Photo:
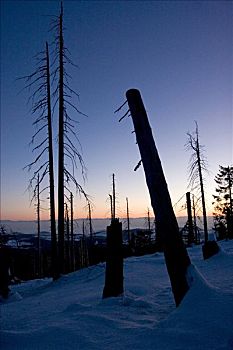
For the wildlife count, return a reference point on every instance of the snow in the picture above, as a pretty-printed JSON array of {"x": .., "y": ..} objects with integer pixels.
[{"x": 71, "y": 314}]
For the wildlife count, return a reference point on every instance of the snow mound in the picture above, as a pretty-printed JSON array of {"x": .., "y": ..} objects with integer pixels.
[{"x": 71, "y": 314}]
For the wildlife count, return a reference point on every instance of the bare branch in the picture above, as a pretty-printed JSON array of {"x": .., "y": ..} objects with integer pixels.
[{"x": 118, "y": 109}]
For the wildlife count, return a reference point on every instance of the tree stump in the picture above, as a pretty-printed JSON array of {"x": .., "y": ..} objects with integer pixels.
[{"x": 114, "y": 262}]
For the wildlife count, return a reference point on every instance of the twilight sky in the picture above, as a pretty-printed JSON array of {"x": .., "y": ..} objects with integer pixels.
[{"x": 177, "y": 53}]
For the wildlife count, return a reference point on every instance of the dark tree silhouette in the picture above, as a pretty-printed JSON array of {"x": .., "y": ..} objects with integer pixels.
[
  {"x": 190, "y": 219},
  {"x": 66, "y": 147},
  {"x": 38, "y": 227},
  {"x": 128, "y": 221},
  {"x": 72, "y": 232},
  {"x": 40, "y": 99},
  {"x": 198, "y": 164},
  {"x": 114, "y": 279},
  {"x": 223, "y": 201},
  {"x": 177, "y": 259}
]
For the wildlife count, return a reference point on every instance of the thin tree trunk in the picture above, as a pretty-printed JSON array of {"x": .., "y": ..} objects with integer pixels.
[
  {"x": 113, "y": 197},
  {"x": 38, "y": 227},
  {"x": 190, "y": 219},
  {"x": 67, "y": 239},
  {"x": 128, "y": 226},
  {"x": 177, "y": 259},
  {"x": 90, "y": 222},
  {"x": 51, "y": 177},
  {"x": 61, "y": 150},
  {"x": 72, "y": 231},
  {"x": 195, "y": 223},
  {"x": 230, "y": 219},
  {"x": 202, "y": 192},
  {"x": 111, "y": 206}
]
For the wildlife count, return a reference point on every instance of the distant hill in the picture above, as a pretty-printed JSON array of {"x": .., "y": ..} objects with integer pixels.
[{"x": 98, "y": 224}]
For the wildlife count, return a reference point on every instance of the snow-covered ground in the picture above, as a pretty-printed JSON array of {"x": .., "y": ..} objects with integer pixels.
[{"x": 70, "y": 313}]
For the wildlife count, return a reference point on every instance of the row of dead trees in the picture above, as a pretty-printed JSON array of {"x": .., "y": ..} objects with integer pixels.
[{"x": 176, "y": 257}]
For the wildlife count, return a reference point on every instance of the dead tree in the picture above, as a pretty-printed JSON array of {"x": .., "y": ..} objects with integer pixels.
[
  {"x": 72, "y": 232},
  {"x": 40, "y": 99},
  {"x": 176, "y": 257},
  {"x": 51, "y": 174},
  {"x": 114, "y": 262},
  {"x": 67, "y": 149},
  {"x": 128, "y": 222},
  {"x": 90, "y": 222},
  {"x": 190, "y": 219},
  {"x": 38, "y": 227},
  {"x": 67, "y": 229},
  {"x": 198, "y": 164}
]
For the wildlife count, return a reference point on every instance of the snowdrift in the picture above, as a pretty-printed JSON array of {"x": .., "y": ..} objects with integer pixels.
[{"x": 70, "y": 314}]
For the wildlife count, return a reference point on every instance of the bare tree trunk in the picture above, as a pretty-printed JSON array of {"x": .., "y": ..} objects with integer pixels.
[
  {"x": 61, "y": 150},
  {"x": 190, "y": 219},
  {"x": 38, "y": 227},
  {"x": 197, "y": 241},
  {"x": 90, "y": 222},
  {"x": 113, "y": 197},
  {"x": 72, "y": 232},
  {"x": 51, "y": 176},
  {"x": 67, "y": 221},
  {"x": 111, "y": 206},
  {"x": 230, "y": 216},
  {"x": 202, "y": 191},
  {"x": 128, "y": 226},
  {"x": 176, "y": 256}
]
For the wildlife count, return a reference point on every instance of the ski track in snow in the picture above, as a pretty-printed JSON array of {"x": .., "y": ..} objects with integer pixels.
[{"x": 71, "y": 314}]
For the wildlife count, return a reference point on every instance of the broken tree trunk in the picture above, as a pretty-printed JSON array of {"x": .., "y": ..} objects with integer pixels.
[
  {"x": 176, "y": 256},
  {"x": 114, "y": 262}
]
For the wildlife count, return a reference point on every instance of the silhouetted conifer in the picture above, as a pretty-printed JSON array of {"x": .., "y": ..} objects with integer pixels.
[{"x": 223, "y": 202}]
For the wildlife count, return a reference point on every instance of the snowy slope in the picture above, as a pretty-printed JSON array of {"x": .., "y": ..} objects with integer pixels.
[{"x": 70, "y": 313}]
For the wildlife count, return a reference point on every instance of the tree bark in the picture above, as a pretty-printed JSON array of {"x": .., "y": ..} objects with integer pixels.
[{"x": 176, "y": 256}]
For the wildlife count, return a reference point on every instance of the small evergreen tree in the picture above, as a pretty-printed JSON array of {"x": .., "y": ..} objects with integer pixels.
[{"x": 223, "y": 202}]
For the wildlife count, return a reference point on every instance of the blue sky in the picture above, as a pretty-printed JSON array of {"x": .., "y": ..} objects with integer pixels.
[{"x": 178, "y": 54}]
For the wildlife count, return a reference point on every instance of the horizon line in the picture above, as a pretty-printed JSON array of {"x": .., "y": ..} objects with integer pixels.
[{"x": 85, "y": 218}]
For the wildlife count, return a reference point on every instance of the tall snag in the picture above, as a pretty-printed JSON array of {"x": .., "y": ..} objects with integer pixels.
[
  {"x": 198, "y": 164},
  {"x": 39, "y": 81},
  {"x": 61, "y": 222},
  {"x": 38, "y": 228},
  {"x": 67, "y": 150},
  {"x": 176, "y": 256},
  {"x": 51, "y": 174}
]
